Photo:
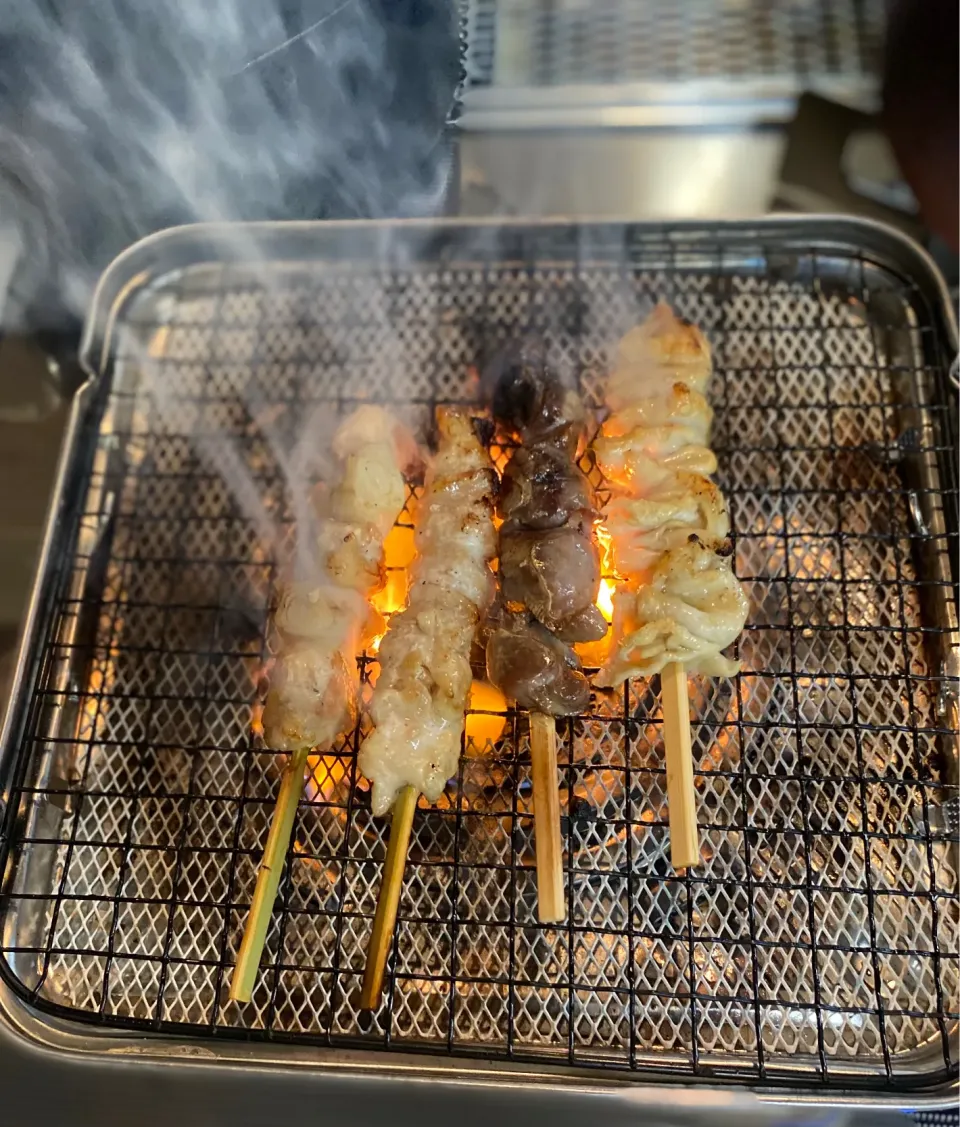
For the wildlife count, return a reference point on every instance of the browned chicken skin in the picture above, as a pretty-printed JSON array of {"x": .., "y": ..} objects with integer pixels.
[{"x": 549, "y": 557}]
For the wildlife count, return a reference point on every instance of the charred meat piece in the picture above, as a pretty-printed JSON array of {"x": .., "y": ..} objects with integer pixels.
[
  {"x": 534, "y": 667},
  {"x": 542, "y": 488},
  {"x": 549, "y": 557},
  {"x": 529, "y": 399}
]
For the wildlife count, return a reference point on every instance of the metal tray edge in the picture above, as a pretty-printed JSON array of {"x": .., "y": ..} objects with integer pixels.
[
  {"x": 128, "y": 275},
  {"x": 137, "y": 267}
]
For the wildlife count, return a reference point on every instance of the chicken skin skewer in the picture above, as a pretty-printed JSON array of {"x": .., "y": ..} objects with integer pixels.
[
  {"x": 424, "y": 680},
  {"x": 681, "y": 604}
]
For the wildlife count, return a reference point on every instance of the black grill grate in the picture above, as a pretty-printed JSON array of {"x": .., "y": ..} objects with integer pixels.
[{"x": 817, "y": 942}]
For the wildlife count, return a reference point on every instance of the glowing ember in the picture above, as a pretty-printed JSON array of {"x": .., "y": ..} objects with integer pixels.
[{"x": 485, "y": 719}]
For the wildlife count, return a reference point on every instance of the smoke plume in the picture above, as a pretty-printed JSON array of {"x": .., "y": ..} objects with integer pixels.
[{"x": 121, "y": 117}]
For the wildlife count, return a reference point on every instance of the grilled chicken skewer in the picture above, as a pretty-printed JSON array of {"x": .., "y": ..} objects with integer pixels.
[
  {"x": 424, "y": 680},
  {"x": 681, "y": 603},
  {"x": 550, "y": 576},
  {"x": 321, "y": 624}
]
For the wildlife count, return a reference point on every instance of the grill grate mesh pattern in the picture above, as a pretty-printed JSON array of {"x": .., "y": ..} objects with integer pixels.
[
  {"x": 821, "y": 930},
  {"x": 576, "y": 42}
]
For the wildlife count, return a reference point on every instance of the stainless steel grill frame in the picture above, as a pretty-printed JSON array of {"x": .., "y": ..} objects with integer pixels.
[
  {"x": 816, "y": 947},
  {"x": 578, "y": 63}
]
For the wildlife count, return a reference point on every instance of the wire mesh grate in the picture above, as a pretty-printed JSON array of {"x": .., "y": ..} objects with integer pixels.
[
  {"x": 818, "y": 940},
  {"x": 547, "y": 44}
]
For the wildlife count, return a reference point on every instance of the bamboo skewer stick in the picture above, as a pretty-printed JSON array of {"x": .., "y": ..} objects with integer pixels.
[
  {"x": 388, "y": 898},
  {"x": 551, "y": 902},
  {"x": 681, "y": 796},
  {"x": 268, "y": 877}
]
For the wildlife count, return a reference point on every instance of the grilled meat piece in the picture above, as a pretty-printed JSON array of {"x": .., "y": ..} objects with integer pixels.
[
  {"x": 642, "y": 526},
  {"x": 554, "y": 573},
  {"x": 549, "y": 557},
  {"x": 542, "y": 488},
  {"x": 691, "y": 608},
  {"x": 587, "y": 625},
  {"x": 424, "y": 682},
  {"x": 534, "y": 667},
  {"x": 529, "y": 399}
]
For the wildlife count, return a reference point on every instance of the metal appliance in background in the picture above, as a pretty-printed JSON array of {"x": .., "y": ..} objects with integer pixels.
[
  {"x": 812, "y": 955},
  {"x": 571, "y": 64}
]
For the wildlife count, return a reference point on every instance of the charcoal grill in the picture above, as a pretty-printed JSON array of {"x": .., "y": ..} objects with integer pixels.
[{"x": 814, "y": 951}]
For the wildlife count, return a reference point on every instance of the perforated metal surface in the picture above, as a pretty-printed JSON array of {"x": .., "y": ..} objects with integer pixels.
[
  {"x": 817, "y": 942},
  {"x": 663, "y": 52}
]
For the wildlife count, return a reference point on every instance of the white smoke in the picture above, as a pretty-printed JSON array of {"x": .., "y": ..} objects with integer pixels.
[{"x": 121, "y": 117}]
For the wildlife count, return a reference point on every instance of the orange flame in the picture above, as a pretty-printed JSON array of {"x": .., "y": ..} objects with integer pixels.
[
  {"x": 596, "y": 653},
  {"x": 605, "y": 599},
  {"x": 393, "y": 594},
  {"x": 486, "y": 717},
  {"x": 500, "y": 456},
  {"x": 256, "y": 719},
  {"x": 398, "y": 552},
  {"x": 325, "y": 772},
  {"x": 608, "y": 584}
]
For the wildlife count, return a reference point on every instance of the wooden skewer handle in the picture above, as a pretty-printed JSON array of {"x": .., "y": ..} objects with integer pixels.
[
  {"x": 268, "y": 877},
  {"x": 388, "y": 900},
  {"x": 551, "y": 902},
  {"x": 681, "y": 795}
]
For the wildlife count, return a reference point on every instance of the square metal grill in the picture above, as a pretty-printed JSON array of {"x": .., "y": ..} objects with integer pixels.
[
  {"x": 818, "y": 941},
  {"x": 739, "y": 59}
]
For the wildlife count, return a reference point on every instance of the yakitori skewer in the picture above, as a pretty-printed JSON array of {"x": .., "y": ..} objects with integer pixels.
[
  {"x": 321, "y": 620},
  {"x": 424, "y": 680},
  {"x": 680, "y": 603},
  {"x": 550, "y": 577}
]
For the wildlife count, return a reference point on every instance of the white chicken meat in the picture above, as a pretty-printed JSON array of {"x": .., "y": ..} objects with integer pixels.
[
  {"x": 667, "y": 520},
  {"x": 322, "y": 622},
  {"x": 424, "y": 681},
  {"x": 689, "y": 609}
]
